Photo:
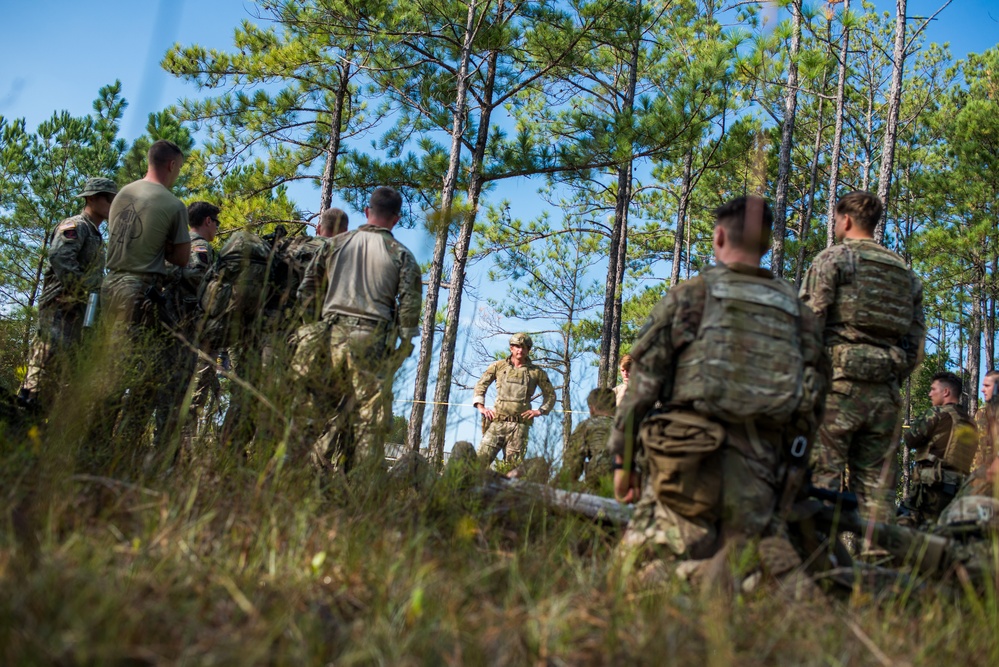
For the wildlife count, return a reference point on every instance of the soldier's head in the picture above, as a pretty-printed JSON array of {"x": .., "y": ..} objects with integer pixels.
[
  {"x": 384, "y": 208},
  {"x": 625, "y": 367},
  {"x": 742, "y": 230},
  {"x": 332, "y": 221},
  {"x": 945, "y": 388},
  {"x": 520, "y": 346},
  {"x": 203, "y": 218},
  {"x": 98, "y": 193},
  {"x": 601, "y": 402},
  {"x": 857, "y": 215},
  {"x": 989, "y": 384},
  {"x": 165, "y": 160}
]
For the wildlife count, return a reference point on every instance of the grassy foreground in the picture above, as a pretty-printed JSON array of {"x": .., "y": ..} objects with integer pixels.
[{"x": 231, "y": 561}]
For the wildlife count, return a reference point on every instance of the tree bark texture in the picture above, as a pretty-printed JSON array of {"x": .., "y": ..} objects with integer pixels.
[
  {"x": 445, "y": 368},
  {"x": 786, "y": 139},
  {"x": 891, "y": 125},
  {"x": 844, "y": 50},
  {"x": 428, "y": 330}
]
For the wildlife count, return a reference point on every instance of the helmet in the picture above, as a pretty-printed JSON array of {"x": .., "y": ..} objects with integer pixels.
[
  {"x": 521, "y": 339},
  {"x": 95, "y": 186},
  {"x": 981, "y": 510}
]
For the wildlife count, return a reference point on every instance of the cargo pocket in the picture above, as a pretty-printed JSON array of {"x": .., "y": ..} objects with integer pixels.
[{"x": 684, "y": 462}]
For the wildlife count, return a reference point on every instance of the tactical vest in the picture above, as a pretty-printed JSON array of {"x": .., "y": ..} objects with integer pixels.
[
  {"x": 746, "y": 362},
  {"x": 513, "y": 385},
  {"x": 878, "y": 301},
  {"x": 963, "y": 442}
]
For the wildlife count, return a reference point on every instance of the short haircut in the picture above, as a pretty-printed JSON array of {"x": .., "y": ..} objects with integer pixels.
[
  {"x": 200, "y": 211},
  {"x": 732, "y": 216},
  {"x": 992, "y": 374},
  {"x": 333, "y": 220},
  {"x": 603, "y": 400},
  {"x": 386, "y": 202},
  {"x": 863, "y": 208},
  {"x": 625, "y": 364},
  {"x": 162, "y": 152},
  {"x": 951, "y": 381}
]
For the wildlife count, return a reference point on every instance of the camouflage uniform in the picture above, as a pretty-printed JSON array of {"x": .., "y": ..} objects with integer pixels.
[
  {"x": 870, "y": 307},
  {"x": 515, "y": 388},
  {"x": 987, "y": 421},
  {"x": 587, "y": 453},
  {"x": 738, "y": 391},
  {"x": 372, "y": 300},
  {"x": 182, "y": 293},
  {"x": 945, "y": 441},
  {"x": 74, "y": 269}
]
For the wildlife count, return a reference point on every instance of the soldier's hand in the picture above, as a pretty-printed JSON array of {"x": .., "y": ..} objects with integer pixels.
[
  {"x": 405, "y": 349},
  {"x": 489, "y": 413},
  {"x": 625, "y": 486},
  {"x": 530, "y": 414}
]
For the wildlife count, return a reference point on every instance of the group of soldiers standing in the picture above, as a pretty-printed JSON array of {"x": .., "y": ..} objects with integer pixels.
[
  {"x": 735, "y": 390},
  {"x": 169, "y": 302}
]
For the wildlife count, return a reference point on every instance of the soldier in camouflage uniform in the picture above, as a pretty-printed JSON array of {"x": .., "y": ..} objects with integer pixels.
[
  {"x": 587, "y": 451},
  {"x": 945, "y": 441},
  {"x": 625, "y": 368},
  {"x": 183, "y": 286},
  {"x": 74, "y": 269},
  {"x": 372, "y": 307},
  {"x": 517, "y": 378},
  {"x": 870, "y": 305},
  {"x": 310, "y": 342},
  {"x": 737, "y": 361},
  {"x": 987, "y": 421}
]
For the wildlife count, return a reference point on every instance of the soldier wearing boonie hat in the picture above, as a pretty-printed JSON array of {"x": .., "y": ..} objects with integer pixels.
[
  {"x": 74, "y": 268},
  {"x": 517, "y": 379}
]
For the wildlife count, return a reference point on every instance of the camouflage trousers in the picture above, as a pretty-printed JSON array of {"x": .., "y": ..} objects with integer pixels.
[
  {"x": 357, "y": 407},
  {"x": 749, "y": 461},
  {"x": 509, "y": 436},
  {"x": 856, "y": 432},
  {"x": 140, "y": 353},
  {"x": 59, "y": 331},
  {"x": 931, "y": 489}
]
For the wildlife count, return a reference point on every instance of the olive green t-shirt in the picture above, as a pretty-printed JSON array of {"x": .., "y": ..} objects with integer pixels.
[{"x": 144, "y": 218}]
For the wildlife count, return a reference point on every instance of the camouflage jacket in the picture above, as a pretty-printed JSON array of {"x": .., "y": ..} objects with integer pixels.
[
  {"x": 987, "y": 421},
  {"x": 931, "y": 433},
  {"x": 832, "y": 280},
  {"x": 515, "y": 387},
  {"x": 75, "y": 264},
  {"x": 367, "y": 274},
  {"x": 673, "y": 325},
  {"x": 587, "y": 450},
  {"x": 187, "y": 280}
]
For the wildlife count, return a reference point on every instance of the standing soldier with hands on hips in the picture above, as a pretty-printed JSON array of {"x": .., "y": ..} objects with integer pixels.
[{"x": 517, "y": 378}]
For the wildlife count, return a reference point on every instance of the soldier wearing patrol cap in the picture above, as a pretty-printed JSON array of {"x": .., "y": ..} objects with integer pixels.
[
  {"x": 517, "y": 378},
  {"x": 74, "y": 268}
]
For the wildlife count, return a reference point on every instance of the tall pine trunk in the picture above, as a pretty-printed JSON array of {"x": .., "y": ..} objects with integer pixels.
[
  {"x": 336, "y": 129},
  {"x": 805, "y": 228},
  {"x": 844, "y": 50},
  {"x": 891, "y": 125},
  {"x": 681, "y": 215},
  {"x": 428, "y": 330},
  {"x": 445, "y": 368},
  {"x": 786, "y": 139},
  {"x": 611, "y": 331}
]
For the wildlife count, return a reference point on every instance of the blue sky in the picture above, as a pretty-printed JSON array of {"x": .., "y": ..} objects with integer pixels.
[{"x": 56, "y": 54}]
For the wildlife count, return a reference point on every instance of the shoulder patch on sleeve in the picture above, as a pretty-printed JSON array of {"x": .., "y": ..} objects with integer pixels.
[
  {"x": 68, "y": 228},
  {"x": 203, "y": 257}
]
